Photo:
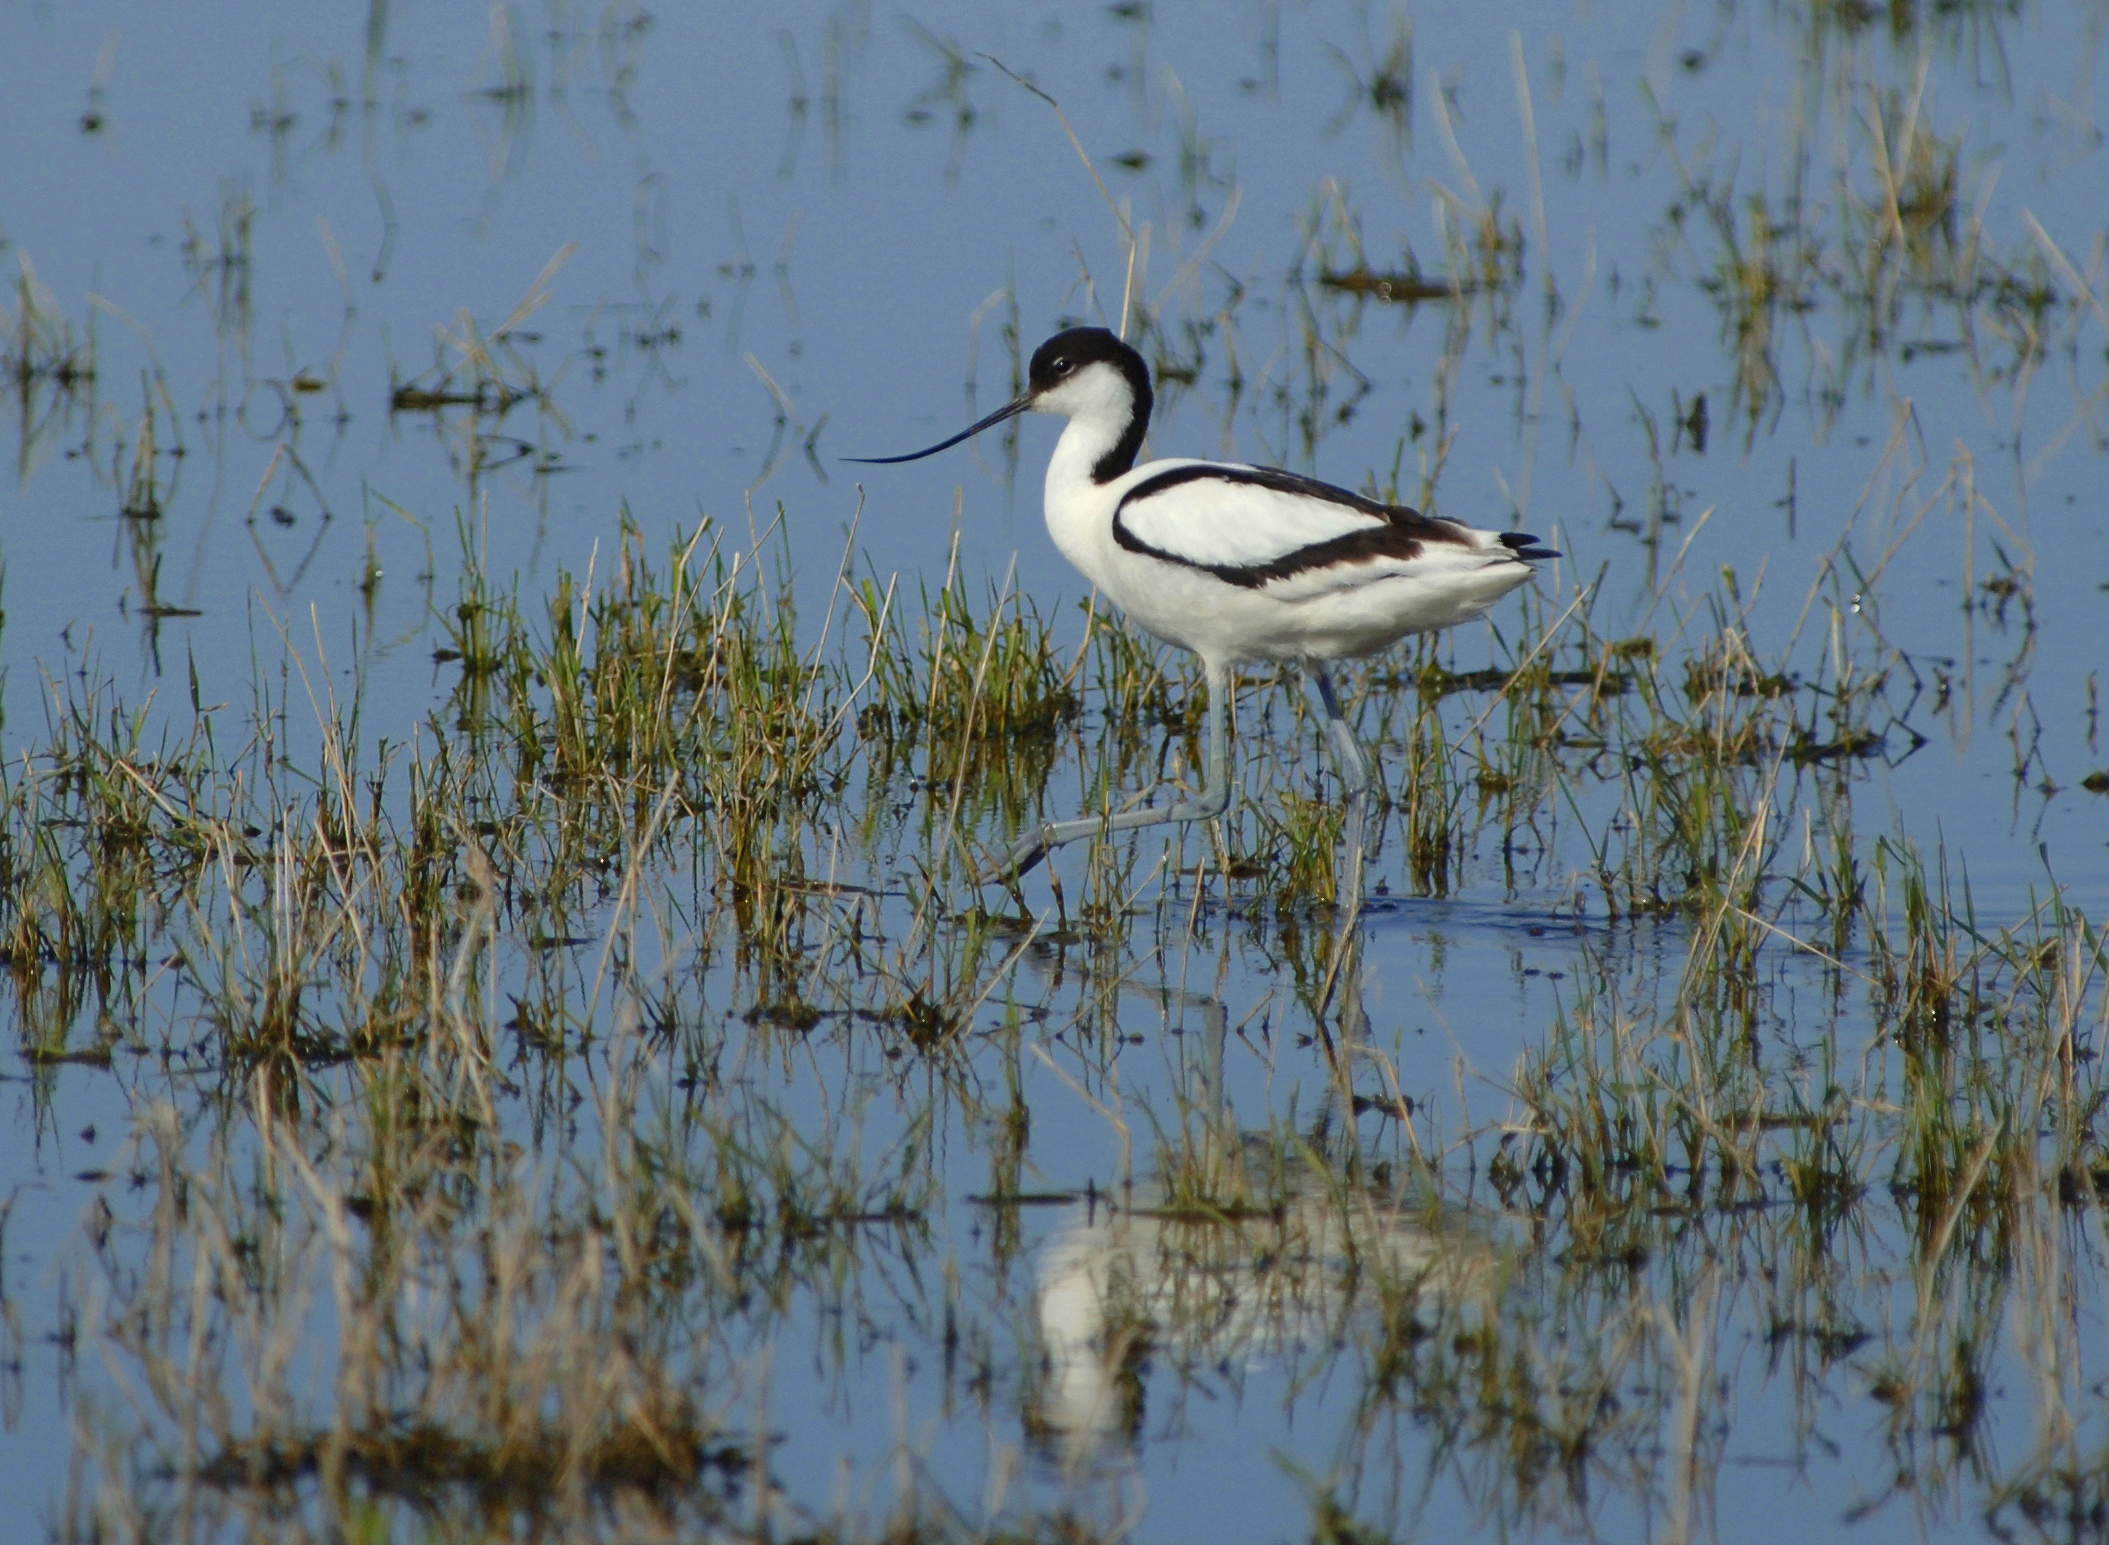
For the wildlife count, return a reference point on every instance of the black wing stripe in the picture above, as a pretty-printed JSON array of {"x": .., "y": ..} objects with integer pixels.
[
  {"x": 1354, "y": 547},
  {"x": 1270, "y": 478},
  {"x": 1402, "y": 535}
]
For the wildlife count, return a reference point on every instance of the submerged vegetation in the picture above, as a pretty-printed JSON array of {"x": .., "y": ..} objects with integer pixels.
[
  {"x": 508, "y": 1045},
  {"x": 499, "y": 1090}
]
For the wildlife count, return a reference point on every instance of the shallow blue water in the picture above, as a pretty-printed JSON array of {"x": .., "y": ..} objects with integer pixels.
[{"x": 271, "y": 224}]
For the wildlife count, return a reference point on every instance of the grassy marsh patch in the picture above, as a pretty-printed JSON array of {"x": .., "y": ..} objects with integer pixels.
[
  {"x": 633, "y": 882},
  {"x": 539, "y": 1071}
]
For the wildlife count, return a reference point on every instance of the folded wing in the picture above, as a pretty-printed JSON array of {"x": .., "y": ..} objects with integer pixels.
[{"x": 1264, "y": 529}]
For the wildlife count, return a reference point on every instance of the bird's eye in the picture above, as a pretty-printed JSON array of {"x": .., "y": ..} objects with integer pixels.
[{"x": 1061, "y": 367}]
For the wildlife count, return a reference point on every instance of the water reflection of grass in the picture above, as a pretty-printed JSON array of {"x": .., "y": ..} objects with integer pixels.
[
  {"x": 47, "y": 366},
  {"x": 507, "y": 1090},
  {"x": 476, "y": 1163}
]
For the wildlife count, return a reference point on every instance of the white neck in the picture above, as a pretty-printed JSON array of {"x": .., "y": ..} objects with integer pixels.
[
  {"x": 1079, "y": 509},
  {"x": 1100, "y": 408}
]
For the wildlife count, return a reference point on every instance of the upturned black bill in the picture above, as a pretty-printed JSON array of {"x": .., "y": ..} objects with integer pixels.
[{"x": 997, "y": 417}]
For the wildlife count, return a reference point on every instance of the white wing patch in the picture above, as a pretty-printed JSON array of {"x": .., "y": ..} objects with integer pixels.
[{"x": 1219, "y": 522}]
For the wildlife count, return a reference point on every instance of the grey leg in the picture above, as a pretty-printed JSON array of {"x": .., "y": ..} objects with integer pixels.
[
  {"x": 1354, "y": 781},
  {"x": 1212, "y": 801}
]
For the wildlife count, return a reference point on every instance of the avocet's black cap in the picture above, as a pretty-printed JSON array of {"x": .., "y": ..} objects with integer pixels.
[
  {"x": 1068, "y": 352},
  {"x": 1063, "y": 355}
]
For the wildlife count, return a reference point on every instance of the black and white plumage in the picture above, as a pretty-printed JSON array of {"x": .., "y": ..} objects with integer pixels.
[{"x": 1236, "y": 563}]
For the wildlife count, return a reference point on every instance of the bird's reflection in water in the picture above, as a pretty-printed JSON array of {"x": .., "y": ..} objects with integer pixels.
[{"x": 1215, "y": 1292}]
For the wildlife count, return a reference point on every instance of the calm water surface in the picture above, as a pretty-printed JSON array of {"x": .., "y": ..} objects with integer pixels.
[{"x": 1788, "y": 315}]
